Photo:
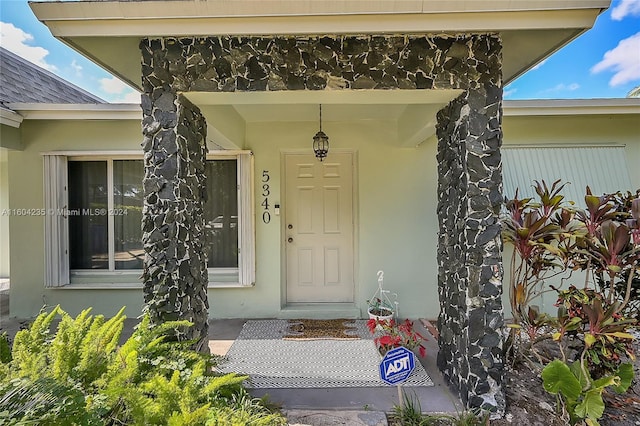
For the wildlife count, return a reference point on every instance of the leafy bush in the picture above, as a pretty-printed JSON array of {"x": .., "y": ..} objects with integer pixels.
[
  {"x": 551, "y": 238},
  {"x": 78, "y": 375},
  {"x": 582, "y": 395}
]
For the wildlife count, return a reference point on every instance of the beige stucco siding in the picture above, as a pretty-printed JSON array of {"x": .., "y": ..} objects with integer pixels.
[
  {"x": 4, "y": 217},
  {"x": 396, "y": 218},
  {"x": 28, "y": 294},
  {"x": 579, "y": 129},
  {"x": 396, "y": 223}
]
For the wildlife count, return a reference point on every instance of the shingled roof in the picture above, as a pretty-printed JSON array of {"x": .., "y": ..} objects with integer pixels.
[{"x": 22, "y": 81}]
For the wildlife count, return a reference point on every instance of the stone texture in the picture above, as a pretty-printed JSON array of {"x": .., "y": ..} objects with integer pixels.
[
  {"x": 469, "y": 167},
  {"x": 231, "y": 64},
  {"x": 175, "y": 274},
  {"x": 469, "y": 247}
]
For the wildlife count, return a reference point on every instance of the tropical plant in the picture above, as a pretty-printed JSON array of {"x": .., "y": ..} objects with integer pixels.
[
  {"x": 604, "y": 331},
  {"x": 611, "y": 247},
  {"x": 553, "y": 240},
  {"x": 542, "y": 234},
  {"x": 582, "y": 395}
]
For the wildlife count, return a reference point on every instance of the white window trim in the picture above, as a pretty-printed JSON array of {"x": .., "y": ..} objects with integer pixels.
[{"x": 57, "y": 271}]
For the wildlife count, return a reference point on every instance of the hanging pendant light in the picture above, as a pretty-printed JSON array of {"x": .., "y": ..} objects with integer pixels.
[{"x": 320, "y": 142}]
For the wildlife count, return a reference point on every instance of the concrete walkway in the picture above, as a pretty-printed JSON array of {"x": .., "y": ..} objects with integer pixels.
[{"x": 321, "y": 406}]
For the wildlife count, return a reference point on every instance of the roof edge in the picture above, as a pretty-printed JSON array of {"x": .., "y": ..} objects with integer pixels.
[
  {"x": 10, "y": 118},
  {"x": 177, "y": 9},
  {"x": 537, "y": 107},
  {"x": 541, "y": 107},
  {"x": 102, "y": 111}
]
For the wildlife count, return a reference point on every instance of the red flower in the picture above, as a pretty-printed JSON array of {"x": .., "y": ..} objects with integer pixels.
[{"x": 395, "y": 335}]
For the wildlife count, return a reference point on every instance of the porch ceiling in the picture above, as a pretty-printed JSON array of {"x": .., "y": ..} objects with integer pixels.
[
  {"x": 108, "y": 32},
  {"x": 412, "y": 112}
]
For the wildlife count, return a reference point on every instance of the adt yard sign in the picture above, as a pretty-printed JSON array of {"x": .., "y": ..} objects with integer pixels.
[{"x": 397, "y": 365}]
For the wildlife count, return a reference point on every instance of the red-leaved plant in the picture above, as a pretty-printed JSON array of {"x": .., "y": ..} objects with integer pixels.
[{"x": 390, "y": 334}]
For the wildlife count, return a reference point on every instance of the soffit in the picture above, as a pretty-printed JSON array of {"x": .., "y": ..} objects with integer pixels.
[
  {"x": 411, "y": 112},
  {"x": 108, "y": 32}
]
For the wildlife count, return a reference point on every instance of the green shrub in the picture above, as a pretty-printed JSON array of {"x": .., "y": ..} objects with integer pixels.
[
  {"x": 43, "y": 402},
  {"x": 78, "y": 375},
  {"x": 582, "y": 395}
]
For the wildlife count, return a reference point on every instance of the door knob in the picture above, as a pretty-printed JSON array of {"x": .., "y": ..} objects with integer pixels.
[
  {"x": 290, "y": 239},
  {"x": 290, "y": 226}
]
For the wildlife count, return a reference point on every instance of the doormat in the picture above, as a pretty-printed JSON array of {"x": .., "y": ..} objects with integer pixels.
[
  {"x": 310, "y": 329},
  {"x": 272, "y": 362}
]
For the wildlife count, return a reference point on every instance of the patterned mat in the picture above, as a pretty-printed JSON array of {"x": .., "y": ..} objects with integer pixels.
[
  {"x": 272, "y": 362},
  {"x": 311, "y": 329}
]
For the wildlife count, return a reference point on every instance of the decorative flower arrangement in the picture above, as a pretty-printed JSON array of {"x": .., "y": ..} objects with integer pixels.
[{"x": 390, "y": 335}]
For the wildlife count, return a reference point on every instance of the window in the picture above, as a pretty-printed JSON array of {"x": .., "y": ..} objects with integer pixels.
[
  {"x": 105, "y": 213},
  {"x": 94, "y": 234}
]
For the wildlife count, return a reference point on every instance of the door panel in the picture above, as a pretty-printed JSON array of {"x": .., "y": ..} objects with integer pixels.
[{"x": 319, "y": 228}]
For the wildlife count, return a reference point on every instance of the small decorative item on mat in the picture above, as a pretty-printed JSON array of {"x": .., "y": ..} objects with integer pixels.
[{"x": 308, "y": 329}]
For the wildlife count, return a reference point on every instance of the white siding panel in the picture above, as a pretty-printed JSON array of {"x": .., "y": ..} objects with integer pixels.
[{"x": 603, "y": 168}]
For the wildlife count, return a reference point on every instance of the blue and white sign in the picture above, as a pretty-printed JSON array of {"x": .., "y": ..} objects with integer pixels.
[{"x": 397, "y": 365}]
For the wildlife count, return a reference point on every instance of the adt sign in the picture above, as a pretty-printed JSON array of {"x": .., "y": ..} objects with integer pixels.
[{"x": 397, "y": 365}]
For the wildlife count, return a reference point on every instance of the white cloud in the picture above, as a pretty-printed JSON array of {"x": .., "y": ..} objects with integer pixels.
[
  {"x": 626, "y": 8},
  {"x": 14, "y": 39},
  {"x": 76, "y": 67},
  {"x": 112, "y": 85},
  {"x": 539, "y": 64},
  {"x": 131, "y": 97},
  {"x": 508, "y": 92},
  {"x": 562, "y": 88},
  {"x": 623, "y": 60},
  {"x": 119, "y": 91}
]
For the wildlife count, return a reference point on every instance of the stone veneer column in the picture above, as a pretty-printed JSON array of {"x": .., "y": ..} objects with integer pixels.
[
  {"x": 175, "y": 274},
  {"x": 469, "y": 185},
  {"x": 469, "y": 245}
]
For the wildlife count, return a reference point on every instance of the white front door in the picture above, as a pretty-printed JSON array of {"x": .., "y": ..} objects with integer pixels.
[{"x": 319, "y": 228}]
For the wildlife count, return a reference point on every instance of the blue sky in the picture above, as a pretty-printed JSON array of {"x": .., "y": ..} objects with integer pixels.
[{"x": 602, "y": 63}]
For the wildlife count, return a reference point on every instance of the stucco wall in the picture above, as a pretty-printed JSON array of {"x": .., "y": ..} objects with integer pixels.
[
  {"x": 579, "y": 129},
  {"x": 4, "y": 218},
  {"x": 28, "y": 294},
  {"x": 388, "y": 238},
  {"x": 397, "y": 224}
]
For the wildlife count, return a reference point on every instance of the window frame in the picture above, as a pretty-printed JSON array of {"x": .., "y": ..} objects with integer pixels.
[{"x": 57, "y": 268}]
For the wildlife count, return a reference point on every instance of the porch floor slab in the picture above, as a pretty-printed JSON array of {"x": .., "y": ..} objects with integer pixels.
[
  {"x": 433, "y": 399},
  {"x": 273, "y": 361}
]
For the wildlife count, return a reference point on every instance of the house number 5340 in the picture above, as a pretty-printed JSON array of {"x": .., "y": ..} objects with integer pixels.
[{"x": 266, "y": 191}]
